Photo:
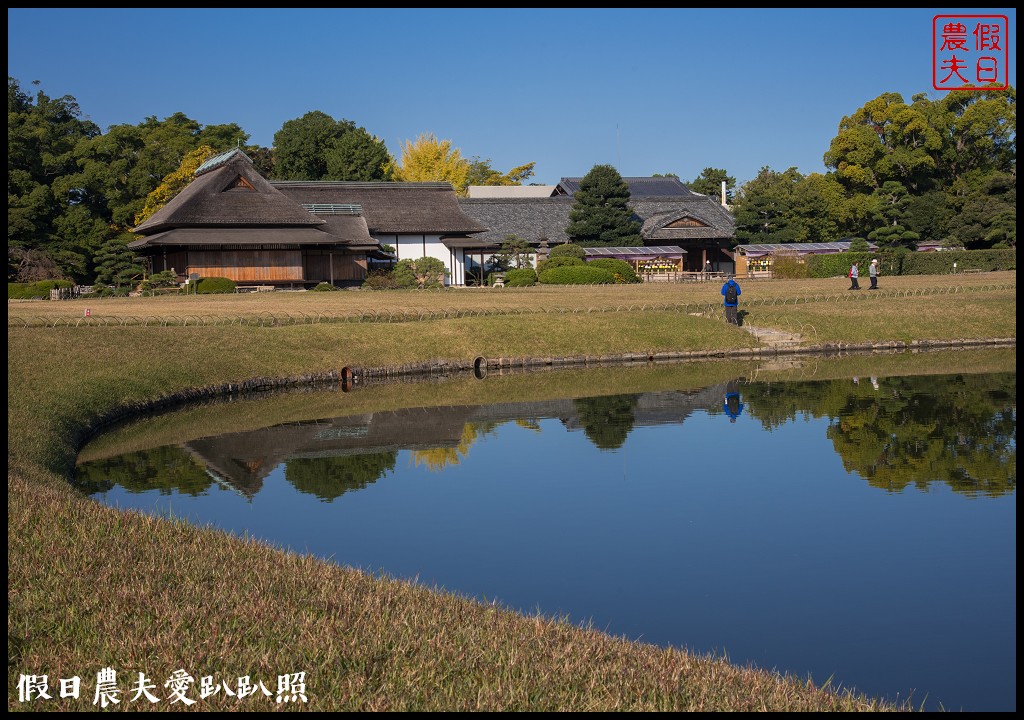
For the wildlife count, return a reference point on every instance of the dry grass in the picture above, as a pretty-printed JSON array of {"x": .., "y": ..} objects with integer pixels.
[{"x": 90, "y": 586}]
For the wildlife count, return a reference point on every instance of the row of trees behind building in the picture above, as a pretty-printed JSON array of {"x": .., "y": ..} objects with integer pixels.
[{"x": 941, "y": 170}]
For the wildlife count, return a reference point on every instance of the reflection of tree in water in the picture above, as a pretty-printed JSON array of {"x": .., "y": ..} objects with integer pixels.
[
  {"x": 957, "y": 429},
  {"x": 607, "y": 420},
  {"x": 441, "y": 457},
  {"x": 330, "y": 477},
  {"x": 168, "y": 469}
]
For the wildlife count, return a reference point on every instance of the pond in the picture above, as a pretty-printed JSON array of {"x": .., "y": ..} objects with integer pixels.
[{"x": 847, "y": 518}]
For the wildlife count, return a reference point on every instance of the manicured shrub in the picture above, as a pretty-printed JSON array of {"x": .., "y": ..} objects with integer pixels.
[
  {"x": 215, "y": 285},
  {"x": 789, "y": 266},
  {"x": 577, "y": 275},
  {"x": 522, "y": 277},
  {"x": 568, "y": 250},
  {"x": 323, "y": 287},
  {"x": 380, "y": 280},
  {"x": 40, "y": 289},
  {"x": 558, "y": 262},
  {"x": 622, "y": 270}
]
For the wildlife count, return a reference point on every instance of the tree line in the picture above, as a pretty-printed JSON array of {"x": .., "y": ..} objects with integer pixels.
[
  {"x": 937, "y": 170},
  {"x": 932, "y": 170},
  {"x": 74, "y": 192}
]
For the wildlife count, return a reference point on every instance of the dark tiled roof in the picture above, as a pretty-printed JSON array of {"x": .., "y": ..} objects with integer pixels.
[
  {"x": 799, "y": 248},
  {"x": 659, "y": 212},
  {"x": 215, "y": 198},
  {"x": 529, "y": 218},
  {"x": 638, "y": 187},
  {"x": 536, "y": 218},
  {"x": 256, "y": 236},
  {"x": 391, "y": 207}
]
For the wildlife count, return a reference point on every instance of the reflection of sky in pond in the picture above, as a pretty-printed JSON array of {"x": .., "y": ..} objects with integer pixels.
[{"x": 670, "y": 524}]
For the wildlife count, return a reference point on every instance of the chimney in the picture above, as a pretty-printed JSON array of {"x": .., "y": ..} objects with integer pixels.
[{"x": 724, "y": 204}]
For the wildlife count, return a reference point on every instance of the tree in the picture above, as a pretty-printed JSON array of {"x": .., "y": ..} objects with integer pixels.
[
  {"x": 709, "y": 182},
  {"x": 431, "y": 160},
  {"x": 891, "y": 211},
  {"x": 886, "y": 139},
  {"x": 978, "y": 131},
  {"x": 175, "y": 182},
  {"x": 481, "y": 173},
  {"x": 515, "y": 253},
  {"x": 115, "y": 264},
  {"x": 43, "y": 134},
  {"x": 600, "y": 215},
  {"x": 358, "y": 156},
  {"x": 764, "y": 208},
  {"x": 318, "y": 147}
]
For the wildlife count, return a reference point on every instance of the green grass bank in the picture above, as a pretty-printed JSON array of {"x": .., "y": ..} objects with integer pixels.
[{"x": 91, "y": 587}]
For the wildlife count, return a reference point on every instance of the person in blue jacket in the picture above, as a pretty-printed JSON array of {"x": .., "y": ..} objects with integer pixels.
[
  {"x": 731, "y": 292},
  {"x": 733, "y": 406}
]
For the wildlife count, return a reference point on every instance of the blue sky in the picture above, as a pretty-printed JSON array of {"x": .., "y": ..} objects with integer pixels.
[{"x": 646, "y": 90}]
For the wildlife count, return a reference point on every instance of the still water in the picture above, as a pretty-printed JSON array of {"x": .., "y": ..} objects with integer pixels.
[{"x": 858, "y": 528}]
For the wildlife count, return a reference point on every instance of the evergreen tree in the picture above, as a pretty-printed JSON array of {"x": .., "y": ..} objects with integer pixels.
[
  {"x": 600, "y": 215},
  {"x": 115, "y": 263}
]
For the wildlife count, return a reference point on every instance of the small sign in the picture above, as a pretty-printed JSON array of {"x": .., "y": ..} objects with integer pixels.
[{"x": 88, "y": 312}]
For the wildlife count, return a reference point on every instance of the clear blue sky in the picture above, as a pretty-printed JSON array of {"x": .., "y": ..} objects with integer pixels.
[{"x": 646, "y": 90}]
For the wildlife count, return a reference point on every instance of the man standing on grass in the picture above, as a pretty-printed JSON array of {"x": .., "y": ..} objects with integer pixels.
[
  {"x": 731, "y": 292},
  {"x": 854, "y": 274},
  {"x": 873, "y": 274}
]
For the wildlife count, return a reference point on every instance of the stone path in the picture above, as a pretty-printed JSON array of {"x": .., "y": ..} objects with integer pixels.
[{"x": 774, "y": 338}]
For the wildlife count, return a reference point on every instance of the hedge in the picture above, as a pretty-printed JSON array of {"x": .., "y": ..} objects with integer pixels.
[
  {"x": 577, "y": 275},
  {"x": 215, "y": 285},
  {"x": 521, "y": 277},
  {"x": 900, "y": 261},
  {"x": 41, "y": 289},
  {"x": 622, "y": 270}
]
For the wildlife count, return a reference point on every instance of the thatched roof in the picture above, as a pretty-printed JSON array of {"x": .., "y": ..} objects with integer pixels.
[
  {"x": 401, "y": 208},
  {"x": 230, "y": 192},
  {"x": 353, "y": 235}
]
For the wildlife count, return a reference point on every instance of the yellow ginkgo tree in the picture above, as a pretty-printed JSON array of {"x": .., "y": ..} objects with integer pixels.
[
  {"x": 175, "y": 182},
  {"x": 428, "y": 159}
]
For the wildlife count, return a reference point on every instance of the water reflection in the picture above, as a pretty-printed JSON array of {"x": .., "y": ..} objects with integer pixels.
[
  {"x": 894, "y": 432},
  {"x": 863, "y": 531}
]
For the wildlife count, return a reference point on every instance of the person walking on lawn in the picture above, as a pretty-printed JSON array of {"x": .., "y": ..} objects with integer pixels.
[
  {"x": 854, "y": 285},
  {"x": 731, "y": 292},
  {"x": 873, "y": 274}
]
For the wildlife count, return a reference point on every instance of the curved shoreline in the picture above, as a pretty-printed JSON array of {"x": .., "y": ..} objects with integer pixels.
[{"x": 348, "y": 377}]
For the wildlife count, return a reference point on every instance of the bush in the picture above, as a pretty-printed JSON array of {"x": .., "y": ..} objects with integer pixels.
[
  {"x": 380, "y": 280},
  {"x": 323, "y": 287},
  {"x": 103, "y": 291},
  {"x": 40, "y": 289},
  {"x": 215, "y": 285},
  {"x": 901, "y": 261},
  {"x": 568, "y": 250},
  {"x": 522, "y": 277},
  {"x": 790, "y": 267},
  {"x": 577, "y": 275},
  {"x": 620, "y": 269},
  {"x": 557, "y": 262}
]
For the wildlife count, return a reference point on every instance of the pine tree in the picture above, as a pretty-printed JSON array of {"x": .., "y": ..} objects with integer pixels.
[
  {"x": 600, "y": 215},
  {"x": 115, "y": 264}
]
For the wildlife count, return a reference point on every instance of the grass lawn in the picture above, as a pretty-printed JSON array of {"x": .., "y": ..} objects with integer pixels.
[{"x": 91, "y": 587}]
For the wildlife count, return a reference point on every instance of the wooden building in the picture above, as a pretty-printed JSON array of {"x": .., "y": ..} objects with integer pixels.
[{"x": 231, "y": 222}]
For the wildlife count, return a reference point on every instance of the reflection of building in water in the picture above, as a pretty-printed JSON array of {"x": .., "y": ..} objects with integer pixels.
[{"x": 243, "y": 460}]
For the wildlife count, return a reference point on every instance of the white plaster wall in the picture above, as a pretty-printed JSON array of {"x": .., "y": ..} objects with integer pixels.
[{"x": 414, "y": 247}]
